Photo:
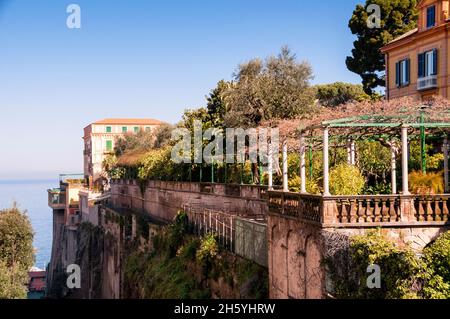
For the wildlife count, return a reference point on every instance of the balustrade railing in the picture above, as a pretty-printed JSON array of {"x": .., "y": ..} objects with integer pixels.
[
  {"x": 365, "y": 209},
  {"x": 308, "y": 207},
  {"x": 432, "y": 208}
]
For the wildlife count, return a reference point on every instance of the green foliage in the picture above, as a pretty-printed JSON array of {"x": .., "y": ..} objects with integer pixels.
[
  {"x": 13, "y": 282},
  {"x": 334, "y": 94},
  {"x": 157, "y": 165},
  {"x": 399, "y": 268},
  {"x": 374, "y": 159},
  {"x": 158, "y": 277},
  {"x": 110, "y": 167},
  {"x": 425, "y": 184},
  {"x": 378, "y": 189},
  {"x": 397, "y": 17},
  {"x": 346, "y": 180},
  {"x": 312, "y": 187},
  {"x": 216, "y": 104},
  {"x": 209, "y": 248},
  {"x": 435, "y": 162},
  {"x": 160, "y": 274},
  {"x": 437, "y": 276},
  {"x": 403, "y": 273},
  {"x": 275, "y": 88},
  {"x": 16, "y": 252}
]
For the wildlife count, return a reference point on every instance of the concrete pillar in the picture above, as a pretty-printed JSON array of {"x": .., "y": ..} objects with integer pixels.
[
  {"x": 405, "y": 161},
  {"x": 270, "y": 167},
  {"x": 393, "y": 171},
  {"x": 445, "y": 150},
  {"x": 326, "y": 165},
  {"x": 303, "y": 165},
  {"x": 285, "y": 168}
]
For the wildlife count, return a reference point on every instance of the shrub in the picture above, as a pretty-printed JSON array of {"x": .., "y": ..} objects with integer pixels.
[
  {"x": 424, "y": 184},
  {"x": 312, "y": 187},
  {"x": 437, "y": 276},
  {"x": 399, "y": 267},
  {"x": 208, "y": 250},
  {"x": 346, "y": 180}
]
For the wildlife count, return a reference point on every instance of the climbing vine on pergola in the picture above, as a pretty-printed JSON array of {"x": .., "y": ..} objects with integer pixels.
[{"x": 392, "y": 124}]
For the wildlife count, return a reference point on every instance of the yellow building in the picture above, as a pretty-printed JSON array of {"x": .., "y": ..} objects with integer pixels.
[{"x": 417, "y": 62}]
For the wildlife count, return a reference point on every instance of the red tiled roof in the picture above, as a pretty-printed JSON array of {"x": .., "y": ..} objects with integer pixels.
[{"x": 129, "y": 122}]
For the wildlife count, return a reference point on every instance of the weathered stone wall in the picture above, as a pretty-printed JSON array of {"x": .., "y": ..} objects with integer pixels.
[
  {"x": 297, "y": 249},
  {"x": 295, "y": 255},
  {"x": 164, "y": 199}
]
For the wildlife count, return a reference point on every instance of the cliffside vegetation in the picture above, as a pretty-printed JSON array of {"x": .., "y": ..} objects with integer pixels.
[
  {"x": 403, "y": 273},
  {"x": 16, "y": 253},
  {"x": 185, "y": 266}
]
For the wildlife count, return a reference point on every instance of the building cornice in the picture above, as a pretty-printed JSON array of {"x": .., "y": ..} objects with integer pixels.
[{"x": 414, "y": 37}]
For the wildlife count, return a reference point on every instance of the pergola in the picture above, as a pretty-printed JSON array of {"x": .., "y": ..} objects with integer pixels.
[{"x": 393, "y": 128}]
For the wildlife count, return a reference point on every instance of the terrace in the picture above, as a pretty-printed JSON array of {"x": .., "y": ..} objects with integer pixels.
[{"x": 404, "y": 206}]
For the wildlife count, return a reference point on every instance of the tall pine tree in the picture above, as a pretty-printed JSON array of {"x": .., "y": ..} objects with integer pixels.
[{"x": 397, "y": 18}]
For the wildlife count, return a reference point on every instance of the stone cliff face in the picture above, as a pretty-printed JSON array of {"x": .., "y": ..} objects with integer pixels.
[
  {"x": 123, "y": 258},
  {"x": 96, "y": 250}
]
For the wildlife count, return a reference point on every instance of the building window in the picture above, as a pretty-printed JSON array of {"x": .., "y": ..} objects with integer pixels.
[
  {"x": 136, "y": 129},
  {"x": 431, "y": 16},
  {"x": 108, "y": 129},
  {"x": 109, "y": 146},
  {"x": 402, "y": 74},
  {"x": 124, "y": 129},
  {"x": 148, "y": 128},
  {"x": 428, "y": 62}
]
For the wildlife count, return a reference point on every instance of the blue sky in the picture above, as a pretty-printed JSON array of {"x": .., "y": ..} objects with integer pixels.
[{"x": 140, "y": 59}]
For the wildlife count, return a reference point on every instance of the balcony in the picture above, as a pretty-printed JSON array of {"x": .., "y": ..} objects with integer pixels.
[
  {"x": 426, "y": 83},
  {"x": 56, "y": 198}
]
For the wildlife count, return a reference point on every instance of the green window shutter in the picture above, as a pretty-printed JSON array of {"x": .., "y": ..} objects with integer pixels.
[
  {"x": 435, "y": 61},
  {"x": 108, "y": 129},
  {"x": 136, "y": 129},
  {"x": 109, "y": 145},
  {"x": 397, "y": 74},
  {"x": 124, "y": 129},
  {"x": 421, "y": 65},
  {"x": 408, "y": 66}
]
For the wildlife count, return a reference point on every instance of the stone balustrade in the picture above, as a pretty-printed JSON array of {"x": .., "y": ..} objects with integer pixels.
[{"x": 364, "y": 210}]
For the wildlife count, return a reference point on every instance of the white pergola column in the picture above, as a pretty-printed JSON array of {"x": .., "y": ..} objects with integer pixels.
[
  {"x": 285, "y": 168},
  {"x": 349, "y": 152},
  {"x": 393, "y": 171},
  {"x": 445, "y": 150},
  {"x": 302, "y": 165},
  {"x": 270, "y": 166},
  {"x": 352, "y": 153},
  {"x": 405, "y": 160},
  {"x": 326, "y": 165}
]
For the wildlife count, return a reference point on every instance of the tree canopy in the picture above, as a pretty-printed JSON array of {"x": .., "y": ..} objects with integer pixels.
[
  {"x": 16, "y": 253},
  {"x": 277, "y": 87},
  {"x": 397, "y": 18},
  {"x": 338, "y": 93}
]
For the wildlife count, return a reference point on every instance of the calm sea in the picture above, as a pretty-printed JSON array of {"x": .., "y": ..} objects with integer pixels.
[{"x": 31, "y": 195}]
